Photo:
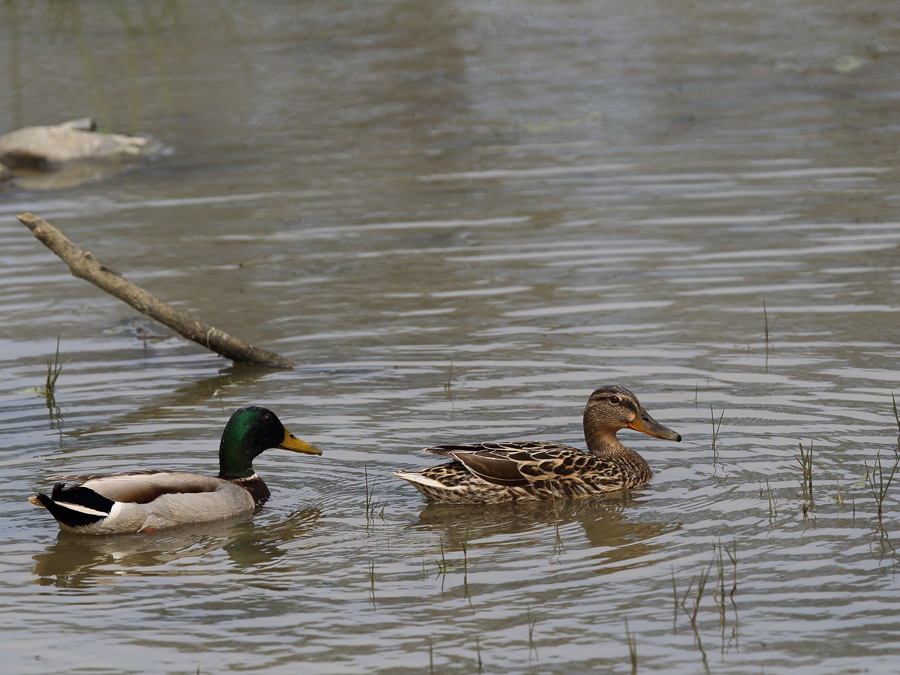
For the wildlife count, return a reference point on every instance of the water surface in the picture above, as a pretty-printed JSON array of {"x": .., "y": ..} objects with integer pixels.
[{"x": 458, "y": 219}]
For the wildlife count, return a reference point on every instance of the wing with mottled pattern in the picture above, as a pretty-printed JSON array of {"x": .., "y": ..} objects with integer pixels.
[{"x": 527, "y": 463}]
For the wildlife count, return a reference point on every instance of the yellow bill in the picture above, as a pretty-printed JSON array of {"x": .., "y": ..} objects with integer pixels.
[{"x": 294, "y": 444}]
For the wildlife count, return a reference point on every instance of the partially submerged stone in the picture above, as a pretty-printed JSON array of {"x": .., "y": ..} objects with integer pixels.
[{"x": 69, "y": 154}]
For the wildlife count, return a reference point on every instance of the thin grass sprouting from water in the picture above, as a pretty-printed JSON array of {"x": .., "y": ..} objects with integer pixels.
[
  {"x": 715, "y": 431},
  {"x": 701, "y": 588},
  {"x": 54, "y": 368},
  {"x": 839, "y": 498},
  {"x": 443, "y": 565},
  {"x": 720, "y": 594},
  {"x": 532, "y": 622},
  {"x": 631, "y": 639},
  {"x": 806, "y": 464},
  {"x": 896, "y": 419},
  {"x": 372, "y": 511},
  {"x": 448, "y": 385},
  {"x": 879, "y": 486},
  {"x": 675, "y": 594},
  {"x": 732, "y": 557},
  {"x": 465, "y": 549},
  {"x": 773, "y": 502}
]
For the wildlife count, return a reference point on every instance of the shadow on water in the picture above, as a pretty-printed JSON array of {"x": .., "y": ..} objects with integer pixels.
[
  {"x": 83, "y": 561},
  {"x": 602, "y": 521}
]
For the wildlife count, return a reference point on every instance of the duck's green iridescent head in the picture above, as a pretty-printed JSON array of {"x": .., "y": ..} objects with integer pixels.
[{"x": 249, "y": 432}]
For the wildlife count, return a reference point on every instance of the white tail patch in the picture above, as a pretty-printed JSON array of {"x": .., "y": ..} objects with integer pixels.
[
  {"x": 413, "y": 477},
  {"x": 82, "y": 509}
]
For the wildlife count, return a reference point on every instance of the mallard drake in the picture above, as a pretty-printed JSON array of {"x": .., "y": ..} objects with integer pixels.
[
  {"x": 147, "y": 500},
  {"x": 485, "y": 473}
]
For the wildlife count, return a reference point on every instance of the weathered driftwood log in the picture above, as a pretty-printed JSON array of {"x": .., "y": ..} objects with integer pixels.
[{"x": 84, "y": 266}]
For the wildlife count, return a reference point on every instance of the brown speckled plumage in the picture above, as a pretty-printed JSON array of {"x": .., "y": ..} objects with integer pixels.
[{"x": 484, "y": 473}]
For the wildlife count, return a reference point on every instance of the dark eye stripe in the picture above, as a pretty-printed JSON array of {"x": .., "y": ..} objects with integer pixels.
[{"x": 624, "y": 402}]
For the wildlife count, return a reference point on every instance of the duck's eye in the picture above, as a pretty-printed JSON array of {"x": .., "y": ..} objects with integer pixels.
[
  {"x": 615, "y": 400},
  {"x": 268, "y": 418}
]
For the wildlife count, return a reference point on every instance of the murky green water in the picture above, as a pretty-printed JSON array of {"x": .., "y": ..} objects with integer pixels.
[{"x": 459, "y": 219}]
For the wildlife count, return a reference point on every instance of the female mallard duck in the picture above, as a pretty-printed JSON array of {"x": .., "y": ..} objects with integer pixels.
[
  {"x": 486, "y": 473},
  {"x": 146, "y": 500}
]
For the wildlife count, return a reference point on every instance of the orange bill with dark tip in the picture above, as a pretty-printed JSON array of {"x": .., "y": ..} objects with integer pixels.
[{"x": 643, "y": 422}]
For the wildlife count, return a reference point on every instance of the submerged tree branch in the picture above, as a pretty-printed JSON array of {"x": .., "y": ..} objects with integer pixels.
[{"x": 84, "y": 266}]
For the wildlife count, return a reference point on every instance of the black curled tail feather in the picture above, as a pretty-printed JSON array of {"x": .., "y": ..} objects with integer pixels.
[{"x": 63, "y": 505}]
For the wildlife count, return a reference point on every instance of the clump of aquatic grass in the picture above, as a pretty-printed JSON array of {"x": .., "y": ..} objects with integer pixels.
[
  {"x": 443, "y": 565},
  {"x": 675, "y": 594},
  {"x": 54, "y": 368},
  {"x": 721, "y": 592},
  {"x": 773, "y": 502},
  {"x": 806, "y": 464},
  {"x": 692, "y": 614},
  {"x": 715, "y": 430},
  {"x": 719, "y": 553},
  {"x": 877, "y": 484},
  {"x": 465, "y": 549},
  {"x": 701, "y": 589},
  {"x": 632, "y": 647},
  {"x": 897, "y": 419},
  {"x": 720, "y": 563},
  {"x": 448, "y": 385},
  {"x": 48, "y": 391},
  {"x": 532, "y": 622},
  {"x": 839, "y": 498},
  {"x": 374, "y": 509}
]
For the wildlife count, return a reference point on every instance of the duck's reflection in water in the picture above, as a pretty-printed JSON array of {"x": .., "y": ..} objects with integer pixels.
[
  {"x": 80, "y": 561},
  {"x": 605, "y": 524}
]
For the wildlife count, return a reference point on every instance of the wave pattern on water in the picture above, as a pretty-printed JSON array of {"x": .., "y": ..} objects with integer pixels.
[{"x": 489, "y": 215}]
